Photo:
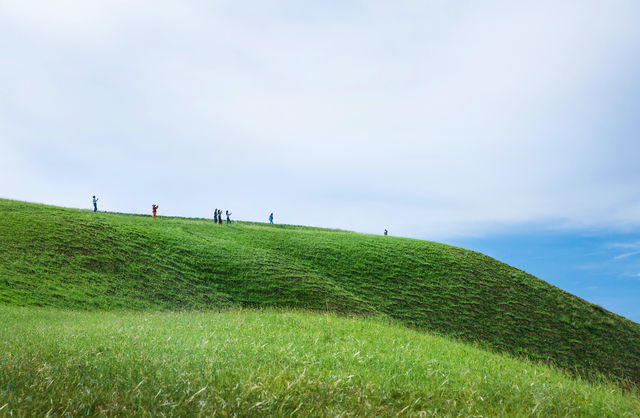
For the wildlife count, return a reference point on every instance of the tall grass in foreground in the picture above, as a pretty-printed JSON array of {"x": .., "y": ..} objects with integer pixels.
[{"x": 270, "y": 362}]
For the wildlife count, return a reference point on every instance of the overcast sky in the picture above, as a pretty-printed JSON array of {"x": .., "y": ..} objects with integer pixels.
[
  {"x": 430, "y": 119},
  {"x": 434, "y": 119}
]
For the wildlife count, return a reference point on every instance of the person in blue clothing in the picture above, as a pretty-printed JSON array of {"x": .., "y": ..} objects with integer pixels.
[
  {"x": 228, "y": 217},
  {"x": 215, "y": 216},
  {"x": 271, "y": 218},
  {"x": 95, "y": 204},
  {"x": 219, "y": 216}
]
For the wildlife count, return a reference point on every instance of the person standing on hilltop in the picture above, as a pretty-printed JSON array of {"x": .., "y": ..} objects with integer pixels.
[
  {"x": 154, "y": 208},
  {"x": 215, "y": 216},
  {"x": 271, "y": 218},
  {"x": 95, "y": 204},
  {"x": 219, "y": 216},
  {"x": 386, "y": 232},
  {"x": 228, "y": 217}
]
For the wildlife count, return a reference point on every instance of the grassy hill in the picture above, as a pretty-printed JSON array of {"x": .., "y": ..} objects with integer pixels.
[{"x": 76, "y": 259}]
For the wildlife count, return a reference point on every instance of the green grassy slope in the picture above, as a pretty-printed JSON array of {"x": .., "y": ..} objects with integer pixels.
[
  {"x": 257, "y": 363},
  {"x": 79, "y": 259}
]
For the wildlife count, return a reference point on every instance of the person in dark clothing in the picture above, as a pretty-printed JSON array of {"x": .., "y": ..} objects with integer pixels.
[
  {"x": 386, "y": 232},
  {"x": 215, "y": 216},
  {"x": 95, "y": 204},
  {"x": 271, "y": 218},
  {"x": 228, "y": 217},
  {"x": 219, "y": 216}
]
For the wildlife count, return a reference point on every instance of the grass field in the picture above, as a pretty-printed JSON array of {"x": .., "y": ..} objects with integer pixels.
[
  {"x": 250, "y": 362},
  {"x": 104, "y": 313},
  {"x": 76, "y": 259}
]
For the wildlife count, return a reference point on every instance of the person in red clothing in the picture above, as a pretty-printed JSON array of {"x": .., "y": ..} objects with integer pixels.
[{"x": 154, "y": 208}]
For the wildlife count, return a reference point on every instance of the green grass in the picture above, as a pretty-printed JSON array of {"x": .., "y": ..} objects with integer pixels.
[
  {"x": 248, "y": 362},
  {"x": 75, "y": 259}
]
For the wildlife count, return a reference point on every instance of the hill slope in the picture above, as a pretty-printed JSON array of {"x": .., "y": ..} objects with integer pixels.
[{"x": 78, "y": 259}]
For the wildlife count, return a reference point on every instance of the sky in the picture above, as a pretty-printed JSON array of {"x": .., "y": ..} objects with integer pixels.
[{"x": 508, "y": 128}]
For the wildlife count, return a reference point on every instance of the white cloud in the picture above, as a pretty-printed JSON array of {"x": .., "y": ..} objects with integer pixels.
[
  {"x": 634, "y": 245},
  {"x": 432, "y": 120},
  {"x": 626, "y": 255}
]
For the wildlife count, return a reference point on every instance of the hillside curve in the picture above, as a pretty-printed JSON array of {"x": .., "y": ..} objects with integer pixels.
[{"x": 77, "y": 259}]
